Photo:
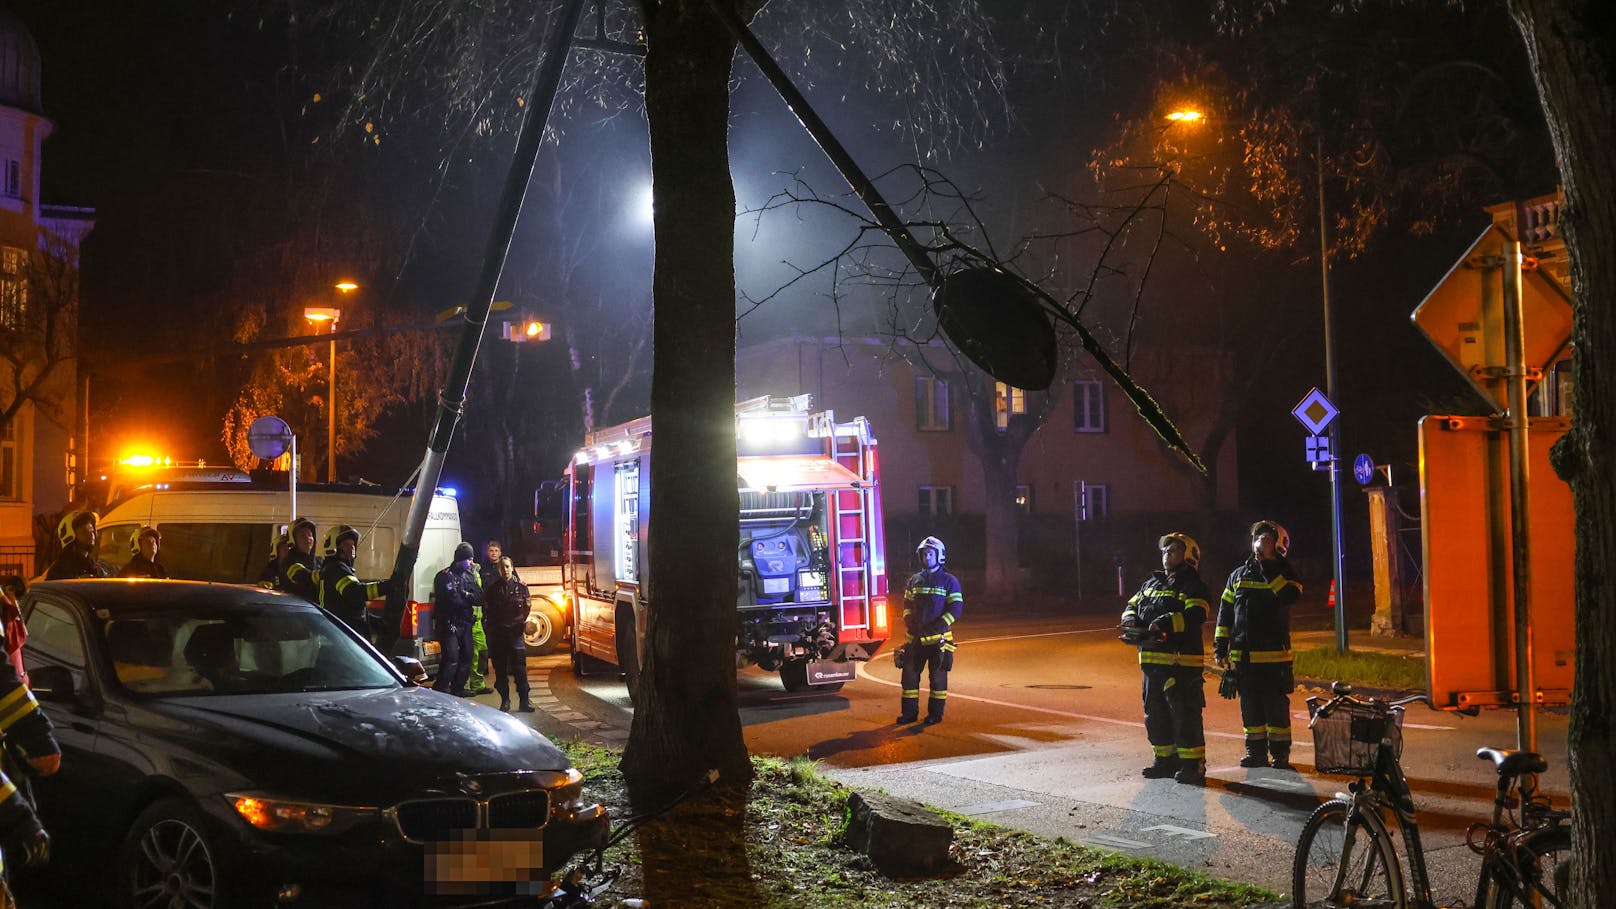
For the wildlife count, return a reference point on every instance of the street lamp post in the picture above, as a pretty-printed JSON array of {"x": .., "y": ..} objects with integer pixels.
[{"x": 331, "y": 315}]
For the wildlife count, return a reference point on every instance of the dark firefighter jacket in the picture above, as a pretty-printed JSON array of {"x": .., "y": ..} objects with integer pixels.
[
  {"x": 344, "y": 594},
  {"x": 1175, "y": 603},
  {"x": 142, "y": 567},
  {"x": 1254, "y": 620},
  {"x": 76, "y": 562},
  {"x": 932, "y": 603},
  {"x": 24, "y": 726},
  {"x": 457, "y": 596},
  {"x": 300, "y": 576},
  {"x": 508, "y": 605}
]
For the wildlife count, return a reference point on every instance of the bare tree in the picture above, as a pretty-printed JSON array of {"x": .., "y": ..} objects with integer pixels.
[{"x": 39, "y": 307}]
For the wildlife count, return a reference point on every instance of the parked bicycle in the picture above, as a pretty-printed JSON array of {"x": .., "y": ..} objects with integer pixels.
[{"x": 1346, "y": 855}]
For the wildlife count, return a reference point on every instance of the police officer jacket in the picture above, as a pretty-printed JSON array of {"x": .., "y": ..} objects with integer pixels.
[
  {"x": 1176, "y": 603},
  {"x": 508, "y": 605},
  {"x": 932, "y": 603},
  {"x": 76, "y": 562},
  {"x": 25, "y": 726},
  {"x": 142, "y": 567},
  {"x": 300, "y": 575},
  {"x": 457, "y": 597},
  {"x": 344, "y": 594},
  {"x": 1254, "y": 620}
]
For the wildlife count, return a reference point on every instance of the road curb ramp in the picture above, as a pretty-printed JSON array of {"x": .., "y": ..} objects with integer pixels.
[{"x": 902, "y": 837}]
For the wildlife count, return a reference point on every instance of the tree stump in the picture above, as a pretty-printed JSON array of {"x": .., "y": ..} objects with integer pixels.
[{"x": 902, "y": 837}]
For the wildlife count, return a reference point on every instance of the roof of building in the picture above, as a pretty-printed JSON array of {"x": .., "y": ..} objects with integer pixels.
[{"x": 19, "y": 65}]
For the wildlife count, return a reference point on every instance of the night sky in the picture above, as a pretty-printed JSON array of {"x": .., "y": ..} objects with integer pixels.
[{"x": 179, "y": 123}]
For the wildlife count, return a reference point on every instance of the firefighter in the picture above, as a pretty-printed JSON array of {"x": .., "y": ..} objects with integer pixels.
[
  {"x": 280, "y": 543},
  {"x": 457, "y": 596},
  {"x": 77, "y": 532},
  {"x": 300, "y": 567},
  {"x": 504, "y": 616},
  {"x": 1164, "y": 619},
  {"x": 932, "y": 603},
  {"x": 25, "y": 729},
  {"x": 1253, "y": 636},
  {"x": 341, "y": 591},
  {"x": 143, "y": 555}
]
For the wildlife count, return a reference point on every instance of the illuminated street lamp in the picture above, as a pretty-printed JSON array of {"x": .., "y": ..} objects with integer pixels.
[
  {"x": 319, "y": 315},
  {"x": 1191, "y": 116},
  {"x": 525, "y": 331}
]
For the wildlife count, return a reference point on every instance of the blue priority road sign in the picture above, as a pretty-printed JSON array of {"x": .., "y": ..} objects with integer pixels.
[
  {"x": 1315, "y": 412},
  {"x": 1318, "y": 449},
  {"x": 1363, "y": 469}
]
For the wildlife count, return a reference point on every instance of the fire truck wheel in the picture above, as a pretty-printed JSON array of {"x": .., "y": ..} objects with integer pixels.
[
  {"x": 628, "y": 651},
  {"x": 542, "y": 633}
]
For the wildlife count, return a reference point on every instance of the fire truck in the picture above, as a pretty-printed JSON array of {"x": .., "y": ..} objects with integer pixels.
[{"x": 812, "y": 598}]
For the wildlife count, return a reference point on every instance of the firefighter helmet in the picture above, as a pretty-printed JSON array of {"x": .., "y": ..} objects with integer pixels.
[
  {"x": 1282, "y": 537},
  {"x": 299, "y": 524},
  {"x": 1192, "y": 549},
  {"x": 334, "y": 538},
  {"x": 144, "y": 532},
  {"x": 71, "y": 522},
  {"x": 933, "y": 543}
]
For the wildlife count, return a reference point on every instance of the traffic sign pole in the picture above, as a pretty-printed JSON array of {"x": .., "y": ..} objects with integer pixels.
[
  {"x": 1519, "y": 508},
  {"x": 1330, "y": 389}
]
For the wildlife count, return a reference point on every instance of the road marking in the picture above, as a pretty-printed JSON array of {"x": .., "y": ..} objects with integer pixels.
[
  {"x": 992, "y": 807},
  {"x": 956, "y": 696},
  {"x": 1184, "y": 832},
  {"x": 1115, "y": 842}
]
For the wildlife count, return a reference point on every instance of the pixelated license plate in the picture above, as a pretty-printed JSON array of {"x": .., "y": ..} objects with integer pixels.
[{"x": 486, "y": 861}]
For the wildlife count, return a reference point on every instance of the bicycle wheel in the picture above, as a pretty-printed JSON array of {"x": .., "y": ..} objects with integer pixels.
[
  {"x": 1535, "y": 877},
  {"x": 1338, "y": 865}
]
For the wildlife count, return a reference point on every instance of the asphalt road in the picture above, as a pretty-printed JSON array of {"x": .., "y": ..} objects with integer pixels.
[{"x": 1044, "y": 733}]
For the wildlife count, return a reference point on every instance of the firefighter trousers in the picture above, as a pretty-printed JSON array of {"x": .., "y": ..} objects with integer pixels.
[
  {"x": 1265, "y": 704},
  {"x": 1174, "y": 698},
  {"x": 937, "y": 662}
]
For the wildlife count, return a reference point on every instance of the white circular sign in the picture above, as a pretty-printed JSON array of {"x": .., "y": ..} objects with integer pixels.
[{"x": 269, "y": 437}]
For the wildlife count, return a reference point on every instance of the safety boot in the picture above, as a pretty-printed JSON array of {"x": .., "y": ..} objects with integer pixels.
[
  {"x": 1161, "y": 769},
  {"x": 1282, "y": 755},
  {"x": 1191, "y": 772},
  {"x": 1256, "y": 753}
]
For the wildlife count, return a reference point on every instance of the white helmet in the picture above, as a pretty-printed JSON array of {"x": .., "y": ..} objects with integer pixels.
[
  {"x": 1282, "y": 537},
  {"x": 933, "y": 543},
  {"x": 1192, "y": 549}
]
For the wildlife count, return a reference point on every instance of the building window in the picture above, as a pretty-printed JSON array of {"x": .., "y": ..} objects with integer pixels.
[
  {"x": 1091, "y": 501},
  {"x": 8, "y": 459},
  {"x": 932, "y": 413},
  {"x": 13, "y": 187},
  {"x": 1008, "y": 401},
  {"x": 13, "y": 287},
  {"x": 937, "y": 500},
  {"x": 1024, "y": 499},
  {"x": 1088, "y": 406}
]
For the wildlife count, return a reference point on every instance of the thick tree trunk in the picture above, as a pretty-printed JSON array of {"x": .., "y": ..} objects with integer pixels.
[
  {"x": 685, "y": 717},
  {"x": 1572, "y": 44}
]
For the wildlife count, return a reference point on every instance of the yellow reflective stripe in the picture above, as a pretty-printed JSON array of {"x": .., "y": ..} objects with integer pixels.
[
  {"x": 906, "y": 611},
  {"x": 1193, "y": 602},
  {"x": 1256, "y": 730},
  {"x": 1192, "y": 754},
  {"x": 1129, "y": 613},
  {"x": 373, "y": 590},
  {"x": 7, "y": 789},
  {"x": 911, "y": 693},
  {"x": 1220, "y": 633},
  {"x": 1254, "y": 585},
  {"x": 948, "y": 618},
  {"x": 15, "y": 706},
  {"x": 1162, "y": 750},
  {"x": 346, "y": 581},
  {"x": 956, "y": 598},
  {"x": 939, "y": 695},
  {"x": 1228, "y": 595},
  {"x": 1279, "y": 733},
  {"x": 1134, "y": 600},
  {"x": 1170, "y": 683},
  {"x": 1269, "y": 656},
  {"x": 1178, "y": 621},
  {"x": 936, "y": 591},
  {"x": 1157, "y": 658}
]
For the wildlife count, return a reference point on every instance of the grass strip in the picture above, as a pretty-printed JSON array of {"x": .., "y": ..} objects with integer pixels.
[{"x": 1361, "y": 667}]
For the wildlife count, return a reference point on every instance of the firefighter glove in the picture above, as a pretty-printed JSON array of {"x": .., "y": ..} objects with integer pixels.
[{"x": 1228, "y": 686}]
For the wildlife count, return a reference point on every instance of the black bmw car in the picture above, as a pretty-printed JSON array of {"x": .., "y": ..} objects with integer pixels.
[{"x": 228, "y": 746}]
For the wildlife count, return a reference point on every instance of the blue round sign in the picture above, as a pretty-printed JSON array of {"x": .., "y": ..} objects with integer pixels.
[{"x": 1363, "y": 469}]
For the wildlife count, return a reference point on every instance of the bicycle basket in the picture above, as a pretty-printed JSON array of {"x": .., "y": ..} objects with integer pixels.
[{"x": 1348, "y": 739}]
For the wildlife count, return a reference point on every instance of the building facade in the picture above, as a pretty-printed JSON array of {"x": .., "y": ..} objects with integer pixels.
[{"x": 39, "y": 257}]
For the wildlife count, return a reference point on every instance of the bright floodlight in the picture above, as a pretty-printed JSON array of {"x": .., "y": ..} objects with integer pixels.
[
  {"x": 346, "y": 287},
  {"x": 1185, "y": 116},
  {"x": 647, "y": 206}
]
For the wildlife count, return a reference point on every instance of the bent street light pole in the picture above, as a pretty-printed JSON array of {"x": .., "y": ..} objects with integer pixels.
[
  {"x": 1335, "y": 426},
  {"x": 451, "y": 399}
]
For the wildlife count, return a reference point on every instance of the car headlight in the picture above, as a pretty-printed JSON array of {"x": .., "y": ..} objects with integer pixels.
[
  {"x": 569, "y": 791},
  {"x": 288, "y": 816}
]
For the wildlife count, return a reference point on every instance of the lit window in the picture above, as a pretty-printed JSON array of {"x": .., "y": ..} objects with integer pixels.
[
  {"x": 1008, "y": 401},
  {"x": 13, "y": 287},
  {"x": 8, "y": 459},
  {"x": 1088, "y": 406},
  {"x": 937, "y": 500},
  {"x": 932, "y": 413},
  {"x": 1024, "y": 498}
]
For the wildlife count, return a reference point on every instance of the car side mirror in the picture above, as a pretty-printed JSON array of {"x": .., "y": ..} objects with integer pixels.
[
  {"x": 410, "y": 668},
  {"x": 53, "y": 684}
]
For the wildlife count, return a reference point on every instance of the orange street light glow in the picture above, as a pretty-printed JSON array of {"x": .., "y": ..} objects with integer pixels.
[
  {"x": 1185, "y": 116},
  {"x": 346, "y": 287},
  {"x": 321, "y": 313},
  {"x": 533, "y": 329}
]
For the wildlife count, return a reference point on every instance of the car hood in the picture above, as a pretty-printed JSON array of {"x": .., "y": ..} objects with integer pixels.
[{"x": 351, "y": 746}]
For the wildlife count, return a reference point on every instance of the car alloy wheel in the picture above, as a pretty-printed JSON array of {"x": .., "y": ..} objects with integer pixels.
[{"x": 169, "y": 862}]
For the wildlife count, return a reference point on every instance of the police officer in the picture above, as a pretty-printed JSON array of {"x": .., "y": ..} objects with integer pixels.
[
  {"x": 932, "y": 603},
  {"x": 25, "y": 727},
  {"x": 1254, "y": 636},
  {"x": 1164, "y": 619},
  {"x": 77, "y": 532},
  {"x": 341, "y": 591},
  {"x": 300, "y": 567},
  {"x": 457, "y": 596},
  {"x": 143, "y": 555}
]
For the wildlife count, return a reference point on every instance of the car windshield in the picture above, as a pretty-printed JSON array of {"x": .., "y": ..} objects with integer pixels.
[{"x": 251, "y": 648}]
